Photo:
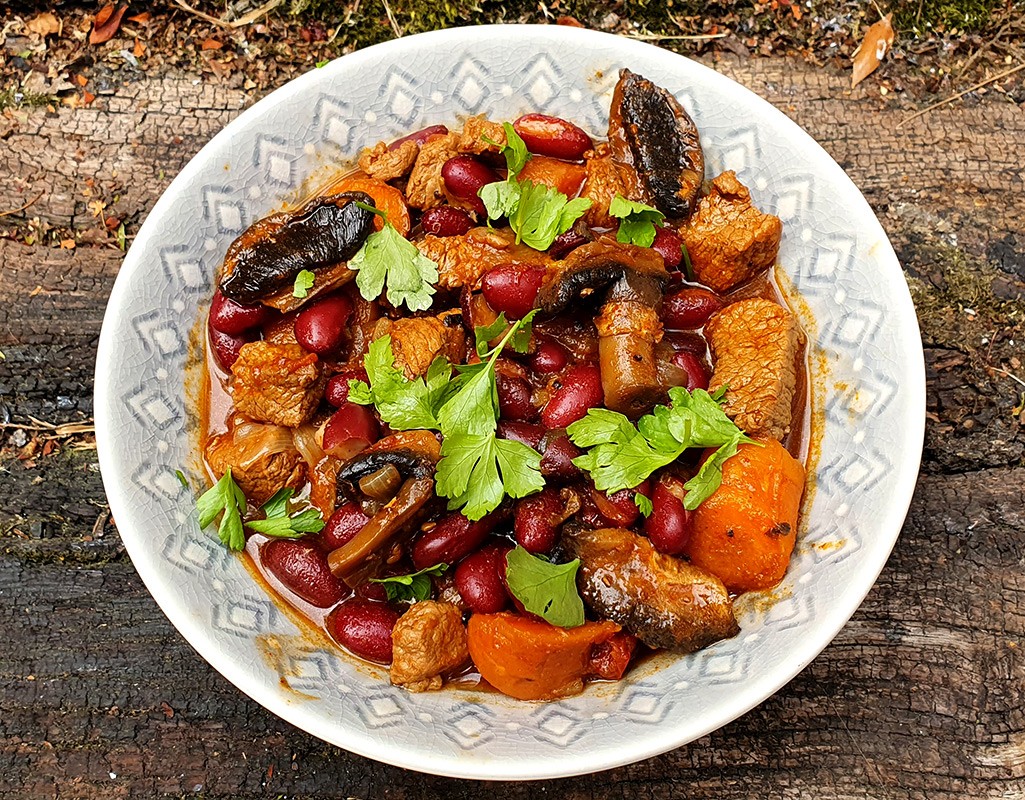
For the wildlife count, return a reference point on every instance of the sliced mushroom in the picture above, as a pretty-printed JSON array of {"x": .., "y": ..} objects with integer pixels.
[
  {"x": 628, "y": 326},
  {"x": 649, "y": 129},
  {"x": 414, "y": 455},
  {"x": 269, "y": 255},
  {"x": 664, "y": 601}
]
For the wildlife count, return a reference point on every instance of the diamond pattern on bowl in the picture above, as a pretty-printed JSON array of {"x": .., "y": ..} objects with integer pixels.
[{"x": 831, "y": 251}]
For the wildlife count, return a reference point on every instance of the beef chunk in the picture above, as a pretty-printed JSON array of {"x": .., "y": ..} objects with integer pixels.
[
  {"x": 663, "y": 601},
  {"x": 262, "y": 458},
  {"x": 387, "y": 165},
  {"x": 754, "y": 345},
  {"x": 606, "y": 178},
  {"x": 426, "y": 187},
  {"x": 278, "y": 383},
  {"x": 428, "y": 640},
  {"x": 729, "y": 241},
  {"x": 480, "y": 135},
  {"x": 462, "y": 260},
  {"x": 417, "y": 341}
]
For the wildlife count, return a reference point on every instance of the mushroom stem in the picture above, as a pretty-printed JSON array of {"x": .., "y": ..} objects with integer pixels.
[{"x": 362, "y": 555}]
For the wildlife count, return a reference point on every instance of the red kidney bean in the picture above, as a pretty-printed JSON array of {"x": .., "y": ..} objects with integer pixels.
[
  {"x": 669, "y": 525},
  {"x": 522, "y": 432},
  {"x": 226, "y": 347},
  {"x": 669, "y": 245},
  {"x": 446, "y": 221},
  {"x": 689, "y": 308},
  {"x": 512, "y": 289},
  {"x": 365, "y": 628},
  {"x": 537, "y": 521},
  {"x": 453, "y": 538},
  {"x": 302, "y": 567},
  {"x": 618, "y": 509},
  {"x": 552, "y": 136},
  {"x": 686, "y": 341},
  {"x": 697, "y": 373},
  {"x": 232, "y": 318},
  {"x": 372, "y": 591},
  {"x": 351, "y": 428},
  {"x": 514, "y": 399},
  {"x": 320, "y": 327},
  {"x": 420, "y": 137},
  {"x": 557, "y": 454},
  {"x": 346, "y": 522},
  {"x": 565, "y": 243},
  {"x": 337, "y": 391},
  {"x": 580, "y": 390},
  {"x": 549, "y": 358},
  {"x": 464, "y": 176},
  {"x": 480, "y": 579}
]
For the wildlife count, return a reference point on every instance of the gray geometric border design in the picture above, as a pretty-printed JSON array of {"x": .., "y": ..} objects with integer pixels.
[{"x": 833, "y": 251}]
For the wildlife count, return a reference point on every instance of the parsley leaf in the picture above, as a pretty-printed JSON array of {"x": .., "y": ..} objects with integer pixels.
[
  {"x": 402, "y": 403},
  {"x": 280, "y": 524},
  {"x": 637, "y": 221},
  {"x": 500, "y": 198},
  {"x": 515, "y": 150},
  {"x": 181, "y": 478},
  {"x": 621, "y": 455},
  {"x": 484, "y": 334},
  {"x": 225, "y": 498},
  {"x": 542, "y": 213},
  {"x": 548, "y": 590},
  {"x": 415, "y": 587},
  {"x": 303, "y": 283},
  {"x": 387, "y": 258},
  {"x": 644, "y": 504}
]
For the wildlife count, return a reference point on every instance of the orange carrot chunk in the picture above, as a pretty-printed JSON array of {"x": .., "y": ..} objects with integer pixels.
[
  {"x": 531, "y": 659},
  {"x": 745, "y": 532},
  {"x": 387, "y": 198}
]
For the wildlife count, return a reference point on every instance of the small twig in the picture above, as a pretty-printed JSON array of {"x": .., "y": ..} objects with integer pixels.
[
  {"x": 1010, "y": 375},
  {"x": 961, "y": 94},
  {"x": 19, "y": 210},
  {"x": 984, "y": 48},
  {"x": 696, "y": 37},
  {"x": 241, "y": 22},
  {"x": 54, "y": 431},
  {"x": 197, "y": 13},
  {"x": 391, "y": 20}
]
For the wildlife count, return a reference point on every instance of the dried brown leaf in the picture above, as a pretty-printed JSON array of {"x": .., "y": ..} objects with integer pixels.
[
  {"x": 139, "y": 50},
  {"x": 45, "y": 24},
  {"x": 140, "y": 19},
  {"x": 106, "y": 24},
  {"x": 872, "y": 50},
  {"x": 212, "y": 44}
]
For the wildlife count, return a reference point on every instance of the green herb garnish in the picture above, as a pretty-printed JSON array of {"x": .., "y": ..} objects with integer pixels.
[
  {"x": 225, "y": 498},
  {"x": 415, "y": 587},
  {"x": 280, "y": 524},
  {"x": 637, "y": 221},
  {"x": 388, "y": 262},
  {"x": 303, "y": 283},
  {"x": 622, "y": 455},
  {"x": 546, "y": 589}
]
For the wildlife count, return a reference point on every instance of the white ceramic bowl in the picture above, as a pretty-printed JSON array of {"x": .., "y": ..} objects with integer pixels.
[{"x": 867, "y": 365}]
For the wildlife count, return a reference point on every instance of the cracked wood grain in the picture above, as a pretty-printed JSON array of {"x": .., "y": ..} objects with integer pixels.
[{"x": 918, "y": 697}]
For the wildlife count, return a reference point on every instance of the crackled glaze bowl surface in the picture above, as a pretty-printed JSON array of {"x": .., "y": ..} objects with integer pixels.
[{"x": 866, "y": 360}]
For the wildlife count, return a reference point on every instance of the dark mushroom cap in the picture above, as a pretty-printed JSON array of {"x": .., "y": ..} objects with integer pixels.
[
  {"x": 413, "y": 453},
  {"x": 270, "y": 253}
]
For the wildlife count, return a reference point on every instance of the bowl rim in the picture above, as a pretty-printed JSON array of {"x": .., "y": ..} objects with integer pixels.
[{"x": 420, "y": 758}]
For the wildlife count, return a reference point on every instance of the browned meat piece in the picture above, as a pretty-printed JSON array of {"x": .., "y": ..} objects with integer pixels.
[
  {"x": 476, "y": 133},
  {"x": 651, "y": 131},
  {"x": 417, "y": 341},
  {"x": 462, "y": 260},
  {"x": 606, "y": 178},
  {"x": 754, "y": 345},
  {"x": 387, "y": 165},
  {"x": 729, "y": 241},
  {"x": 277, "y": 383},
  {"x": 426, "y": 188},
  {"x": 262, "y": 458},
  {"x": 428, "y": 640},
  {"x": 664, "y": 601}
]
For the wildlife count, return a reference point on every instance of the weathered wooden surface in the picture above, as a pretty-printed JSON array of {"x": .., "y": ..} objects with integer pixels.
[{"x": 919, "y": 696}]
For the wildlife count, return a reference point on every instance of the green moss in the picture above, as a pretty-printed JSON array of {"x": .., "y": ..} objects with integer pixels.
[
  {"x": 929, "y": 15},
  {"x": 12, "y": 97}
]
